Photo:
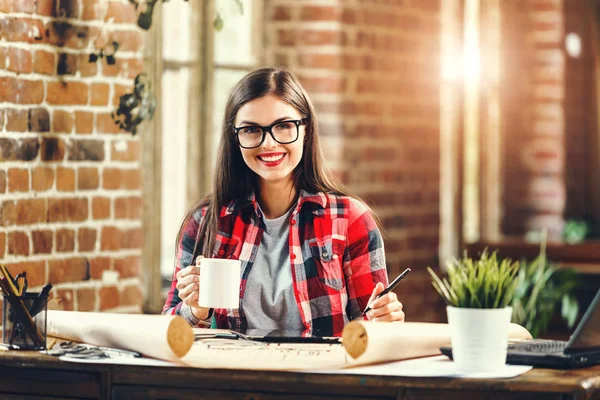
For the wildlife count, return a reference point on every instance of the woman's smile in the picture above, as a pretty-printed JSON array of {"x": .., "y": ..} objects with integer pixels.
[{"x": 271, "y": 159}]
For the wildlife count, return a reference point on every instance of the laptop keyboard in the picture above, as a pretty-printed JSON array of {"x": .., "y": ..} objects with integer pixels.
[{"x": 540, "y": 346}]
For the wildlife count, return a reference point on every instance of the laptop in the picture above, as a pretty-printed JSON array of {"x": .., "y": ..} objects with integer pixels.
[{"x": 581, "y": 350}]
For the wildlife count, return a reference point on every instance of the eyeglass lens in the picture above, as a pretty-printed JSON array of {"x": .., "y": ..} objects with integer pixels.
[{"x": 252, "y": 136}]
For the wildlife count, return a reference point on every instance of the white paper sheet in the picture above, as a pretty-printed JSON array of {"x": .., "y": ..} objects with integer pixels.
[{"x": 437, "y": 366}]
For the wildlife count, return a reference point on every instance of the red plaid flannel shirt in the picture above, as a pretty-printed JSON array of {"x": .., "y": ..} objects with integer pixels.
[{"x": 336, "y": 256}]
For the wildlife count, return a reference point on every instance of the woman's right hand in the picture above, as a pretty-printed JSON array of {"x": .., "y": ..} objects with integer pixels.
[{"x": 188, "y": 285}]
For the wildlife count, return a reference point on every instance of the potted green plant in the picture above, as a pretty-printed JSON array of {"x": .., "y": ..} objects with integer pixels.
[
  {"x": 541, "y": 287},
  {"x": 478, "y": 294}
]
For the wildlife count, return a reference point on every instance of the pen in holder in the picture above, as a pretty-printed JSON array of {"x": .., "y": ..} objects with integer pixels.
[
  {"x": 24, "y": 314},
  {"x": 25, "y": 330}
]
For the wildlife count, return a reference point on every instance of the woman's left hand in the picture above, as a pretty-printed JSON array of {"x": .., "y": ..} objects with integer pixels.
[{"x": 387, "y": 308}]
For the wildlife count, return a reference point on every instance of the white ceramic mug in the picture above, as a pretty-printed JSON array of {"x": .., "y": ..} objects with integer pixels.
[{"x": 219, "y": 283}]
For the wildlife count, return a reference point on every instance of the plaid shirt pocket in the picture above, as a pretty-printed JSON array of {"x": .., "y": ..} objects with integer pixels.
[
  {"x": 225, "y": 247},
  {"x": 329, "y": 264}
]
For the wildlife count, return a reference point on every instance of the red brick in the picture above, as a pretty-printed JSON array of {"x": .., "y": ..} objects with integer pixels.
[
  {"x": 1, "y": 120},
  {"x": 52, "y": 149},
  {"x": 22, "y": 6},
  {"x": 46, "y": 7},
  {"x": 132, "y": 151},
  {"x": 67, "y": 270},
  {"x": 98, "y": 265},
  {"x": 65, "y": 179},
  {"x": 94, "y": 10},
  {"x": 28, "y": 149},
  {"x": 66, "y": 297},
  {"x": 62, "y": 121},
  {"x": 2, "y": 244},
  {"x": 87, "y": 239},
  {"x": 129, "y": 40},
  {"x": 39, "y": 120},
  {"x": 281, "y": 13},
  {"x": 325, "y": 61},
  {"x": 132, "y": 296},
  {"x": 42, "y": 241},
  {"x": 42, "y": 179},
  {"x": 131, "y": 238},
  {"x": 8, "y": 213},
  {"x": 129, "y": 267},
  {"x": 58, "y": 8},
  {"x": 109, "y": 297},
  {"x": 86, "y": 150},
  {"x": 286, "y": 37},
  {"x": 547, "y": 5},
  {"x": 66, "y": 93},
  {"x": 17, "y": 29},
  {"x": 28, "y": 92},
  {"x": 17, "y": 120},
  {"x": 65, "y": 240},
  {"x": 64, "y": 34},
  {"x": 88, "y": 178},
  {"x": 2, "y": 181},
  {"x": 105, "y": 124},
  {"x": 30, "y": 211},
  {"x": 321, "y": 13},
  {"x": 310, "y": 37},
  {"x": 121, "y": 13},
  {"x": 110, "y": 238},
  {"x": 324, "y": 85},
  {"x": 85, "y": 67},
  {"x": 109, "y": 70},
  {"x": 111, "y": 178},
  {"x": 18, "y": 180},
  {"x": 84, "y": 122},
  {"x": 125, "y": 67},
  {"x": 86, "y": 299},
  {"x": 35, "y": 270},
  {"x": 44, "y": 62},
  {"x": 18, "y": 243},
  {"x": 120, "y": 90},
  {"x": 128, "y": 208},
  {"x": 101, "y": 208},
  {"x": 20, "y": 60},
  {"x": 63, "y": 210},
  {"x": 99, "y": 94},
  {"x": 132, "y": 179}
]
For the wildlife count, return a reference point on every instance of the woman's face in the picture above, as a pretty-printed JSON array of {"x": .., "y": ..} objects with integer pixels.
[{"x": 271, "y": 161}]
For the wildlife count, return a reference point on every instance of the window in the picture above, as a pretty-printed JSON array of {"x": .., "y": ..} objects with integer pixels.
[{"x": 194, "y": 69}]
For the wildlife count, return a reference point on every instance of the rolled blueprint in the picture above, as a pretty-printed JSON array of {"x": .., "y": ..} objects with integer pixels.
[
  {"x": 166, "y": 337},
  {"x": 373, "y": 342}
]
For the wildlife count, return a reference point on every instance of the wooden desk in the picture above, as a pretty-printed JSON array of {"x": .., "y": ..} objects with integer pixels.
[{"x": 37, "y": 376}]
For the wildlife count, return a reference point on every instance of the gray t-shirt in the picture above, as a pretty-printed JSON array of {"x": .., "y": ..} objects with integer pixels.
[{"x": 269, "y": 301}]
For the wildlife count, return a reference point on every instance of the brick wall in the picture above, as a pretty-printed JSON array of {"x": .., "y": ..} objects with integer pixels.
[
  {"x": 372, "y": 70},
  {"x": 533, "y": 116},
  {"x": 70, "y": 195}
]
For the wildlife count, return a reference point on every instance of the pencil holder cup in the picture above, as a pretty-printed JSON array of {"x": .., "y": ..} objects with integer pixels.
[{"x": 24, "y": 322}]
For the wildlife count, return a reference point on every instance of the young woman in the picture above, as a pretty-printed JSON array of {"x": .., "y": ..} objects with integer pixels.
[{"x": 312, "y": 255}]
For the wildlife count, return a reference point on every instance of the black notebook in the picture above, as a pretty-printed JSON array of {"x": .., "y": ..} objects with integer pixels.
[{"x": 582, "y": 349}]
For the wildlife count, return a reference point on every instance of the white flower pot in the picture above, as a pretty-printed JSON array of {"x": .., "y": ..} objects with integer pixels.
[{"x": 479, "y": 337}]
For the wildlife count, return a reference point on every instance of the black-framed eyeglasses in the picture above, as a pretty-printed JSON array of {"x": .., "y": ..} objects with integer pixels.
[{"x": 283, "y": 132}]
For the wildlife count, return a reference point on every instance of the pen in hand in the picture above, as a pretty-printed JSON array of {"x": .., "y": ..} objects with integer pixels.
[{"x": 388, "y": 289}]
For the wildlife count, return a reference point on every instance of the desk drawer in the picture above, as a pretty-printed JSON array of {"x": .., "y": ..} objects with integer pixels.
[
  {"x": 123, "y": 392},
  {"x": 50, "y": 382}
]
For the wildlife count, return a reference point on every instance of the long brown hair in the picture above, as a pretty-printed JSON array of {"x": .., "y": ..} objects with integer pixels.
[{"x": 233, "y": 179}]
